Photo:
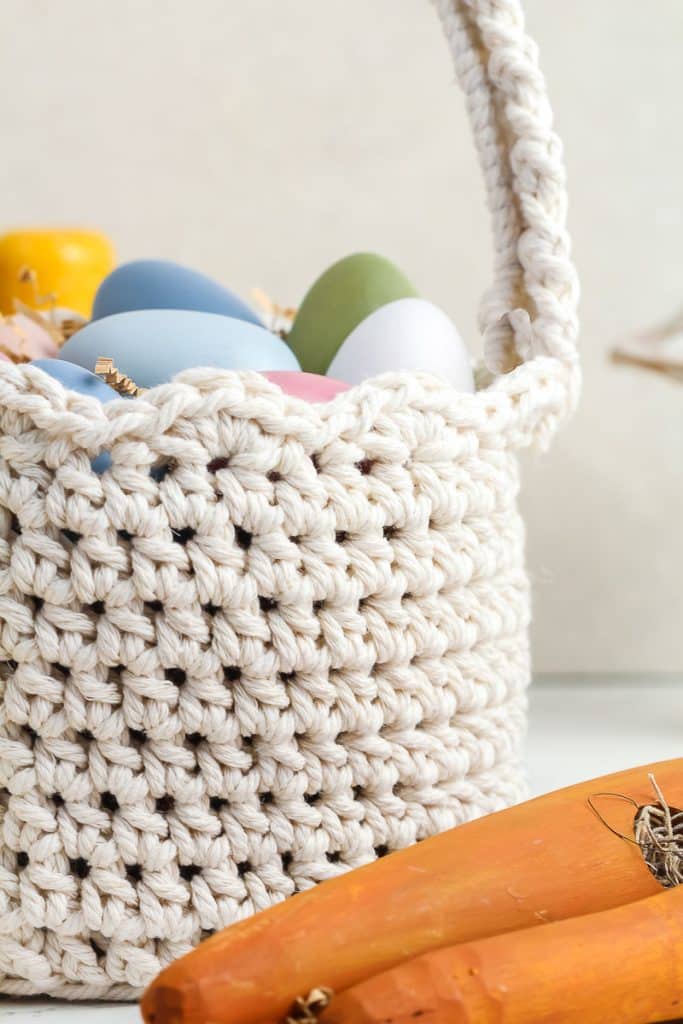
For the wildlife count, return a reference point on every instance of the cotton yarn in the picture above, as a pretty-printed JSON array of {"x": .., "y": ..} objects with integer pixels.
[{"x": 274, "y": 640}]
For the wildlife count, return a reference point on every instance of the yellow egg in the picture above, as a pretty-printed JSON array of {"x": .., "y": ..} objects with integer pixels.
[{"x": 44, "y": 266}]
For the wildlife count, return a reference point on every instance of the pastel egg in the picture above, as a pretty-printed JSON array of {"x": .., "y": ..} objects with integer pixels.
[
  {"x": 64, "y": 264},
  {"x": 342, "y": 297},
  {"x": 160, "y": 284},
  {"x": 411, "y": 334},
  {"x": 75, "y": 378},
  {"x": 22, "y": 338},
  {"x": 151, "y": 346},
  {"x": 310, "y": 386}
]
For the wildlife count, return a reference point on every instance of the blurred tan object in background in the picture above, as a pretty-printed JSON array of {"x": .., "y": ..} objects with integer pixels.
[{"x": 659, "y": 349}]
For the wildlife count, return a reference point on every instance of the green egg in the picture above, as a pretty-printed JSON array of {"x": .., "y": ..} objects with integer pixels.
[{"x": 338, "y": 301}]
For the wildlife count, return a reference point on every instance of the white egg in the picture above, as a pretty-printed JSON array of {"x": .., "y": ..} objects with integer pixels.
[{"x": 409, "y": 334}]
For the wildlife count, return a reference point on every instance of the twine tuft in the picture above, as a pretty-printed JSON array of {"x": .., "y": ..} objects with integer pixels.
[
  {"x": 658, "y": 832},
  {"x": 306, "y": 1010}
]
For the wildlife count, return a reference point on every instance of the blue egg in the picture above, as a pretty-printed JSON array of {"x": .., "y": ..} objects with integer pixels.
[
  {"x": 159, "y": 284},
  {"x": 85, "y": 383},
  {"x": 101, "y": 463},
  {"x": 77, "y": 379},
  {"x": 151, "y": 346}
]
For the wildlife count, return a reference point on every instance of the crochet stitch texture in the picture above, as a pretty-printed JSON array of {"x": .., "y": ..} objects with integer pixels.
[{"x": 302, "y": 647}]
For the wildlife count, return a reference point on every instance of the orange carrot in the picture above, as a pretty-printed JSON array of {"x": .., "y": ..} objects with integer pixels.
[
  {"x": 623, "y": 965},
  {"x": 548, "y": 859}
]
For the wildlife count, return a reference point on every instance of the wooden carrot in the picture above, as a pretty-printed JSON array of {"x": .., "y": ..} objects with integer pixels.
[
  {"x": 548, "y": 859},
  {"x": 623, "y": 965}
]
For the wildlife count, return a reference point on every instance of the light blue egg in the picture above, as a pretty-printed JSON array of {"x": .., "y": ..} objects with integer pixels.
[
  {"x": 151, "y": 346},
  {"x": 75, "y": 378},
  {"x": 160, "y": 284}
]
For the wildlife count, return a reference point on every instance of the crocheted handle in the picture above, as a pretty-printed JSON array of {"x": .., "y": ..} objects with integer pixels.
[{"x": 530, "y": 310}]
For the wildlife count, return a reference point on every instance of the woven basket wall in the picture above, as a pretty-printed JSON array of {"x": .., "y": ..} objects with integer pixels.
[{"x": 274, "y": 640}]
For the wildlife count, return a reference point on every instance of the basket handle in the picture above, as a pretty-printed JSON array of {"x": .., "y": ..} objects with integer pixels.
[{"x": 530, "y": 309}]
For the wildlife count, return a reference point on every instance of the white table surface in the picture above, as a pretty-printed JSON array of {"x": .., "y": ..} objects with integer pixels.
[{"x": 580, "y": 728}]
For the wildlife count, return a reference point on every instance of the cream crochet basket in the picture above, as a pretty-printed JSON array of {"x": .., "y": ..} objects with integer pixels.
[{"x": 302, "y": 641}]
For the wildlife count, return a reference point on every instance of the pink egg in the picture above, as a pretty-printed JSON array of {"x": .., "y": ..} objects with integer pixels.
[
  {"x": 5, "y": 358},
  {"x": 22, "y": 338},
  {"x": 310, "y": 386}
]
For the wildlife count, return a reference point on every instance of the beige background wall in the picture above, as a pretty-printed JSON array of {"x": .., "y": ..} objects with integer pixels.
[{"x": 262, "y": 140}]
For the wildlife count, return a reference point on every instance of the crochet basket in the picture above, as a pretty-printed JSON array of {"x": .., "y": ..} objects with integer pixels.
[{"x": 275, "y": 640}]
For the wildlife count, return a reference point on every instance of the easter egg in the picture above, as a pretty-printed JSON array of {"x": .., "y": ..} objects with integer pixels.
[
  {"x": 22, "y": 339},
  {"x": 411, "y": 334},
  {"x": 310, "y": 386},
  {"x": 347, "y": 293},
  {"x": 43, "y": 265},
  {"x": 159, "y": 284},
  {"x": 151, "y": 346},
  {"x": 75, "y": 378}
]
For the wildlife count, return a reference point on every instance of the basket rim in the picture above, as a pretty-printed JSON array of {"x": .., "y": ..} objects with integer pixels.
[{"x": 518, "y": 406}]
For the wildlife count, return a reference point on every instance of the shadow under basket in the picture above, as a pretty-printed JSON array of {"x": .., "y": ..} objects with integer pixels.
[{"x": 274, "y": 640}]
